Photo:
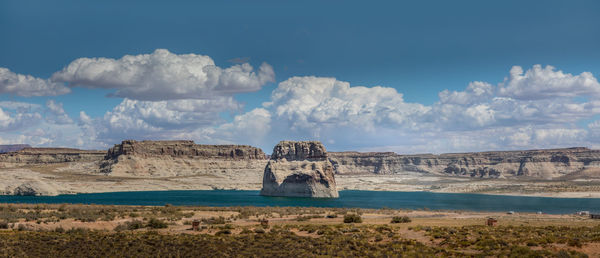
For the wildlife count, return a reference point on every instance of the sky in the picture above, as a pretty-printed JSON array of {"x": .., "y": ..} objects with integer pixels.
[{"x": 402, "y": 76}]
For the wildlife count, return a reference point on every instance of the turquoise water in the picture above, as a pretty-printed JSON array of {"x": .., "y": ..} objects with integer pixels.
[{"x": 348, "y": 199}]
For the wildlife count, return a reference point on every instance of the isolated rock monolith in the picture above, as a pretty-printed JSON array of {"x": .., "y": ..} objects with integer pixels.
[{"x": 299, "y": 169}]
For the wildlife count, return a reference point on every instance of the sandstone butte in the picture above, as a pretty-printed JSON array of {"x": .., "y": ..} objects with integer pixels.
[
  {"x": 299, "y": 169},
  {"x": 178, "y": 158}
]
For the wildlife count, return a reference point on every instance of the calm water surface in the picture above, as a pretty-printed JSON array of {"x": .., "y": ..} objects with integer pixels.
[{"x": 348, "y": 199}]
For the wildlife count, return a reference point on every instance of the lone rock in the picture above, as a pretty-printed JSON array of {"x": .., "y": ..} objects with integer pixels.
[{"x": 299, "y": 169}]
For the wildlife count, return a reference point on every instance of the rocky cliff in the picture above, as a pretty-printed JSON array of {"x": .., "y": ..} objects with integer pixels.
[
  {"x": 13, "y": 147},
  {"x": 299, "y": 169},
  {"x": 179, "y": 158},
  {"x": 28, "y": 156},
  {"x": 543, "y": 164}
]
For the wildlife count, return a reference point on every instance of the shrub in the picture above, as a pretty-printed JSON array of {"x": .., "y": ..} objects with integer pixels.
[
  {"x": 156, "y": 223},
  {"x": 403, "y": 219},
  {"x": 575, "y": 242},
  {"x": 21, "y": 227},
  {"x": 224, "y": 232},
  {"x": 352, "y": 218},
  {"x": 259, "y": 230},
  {"x": 3, "y": 225}
]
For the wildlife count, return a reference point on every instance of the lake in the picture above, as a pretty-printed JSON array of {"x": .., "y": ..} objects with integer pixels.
[{"x": 348, "y": 199}]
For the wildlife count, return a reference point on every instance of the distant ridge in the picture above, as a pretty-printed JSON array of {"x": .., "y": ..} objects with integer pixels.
[{"x": 13, "y": 147}]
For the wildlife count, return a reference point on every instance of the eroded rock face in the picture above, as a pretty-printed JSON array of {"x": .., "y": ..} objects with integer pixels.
[
  {"x": 299, "y": 169},
  {"x": 545, "y": 164},
  {"x": 180, "y": 158},
  {"x": 48, "y": 156},
  {"x": 13, "y": 147},
  {"x": 34, "y": 188}
]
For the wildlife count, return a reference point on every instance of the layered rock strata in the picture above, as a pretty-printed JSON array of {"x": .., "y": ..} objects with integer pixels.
[
  {"x": 179, "y": 158},
  {"x": 28, "y": 156},
  {"x": 299, "y": 169},
  {"x": 543, "y": 164},
  {"x": 13, "y": 147}
]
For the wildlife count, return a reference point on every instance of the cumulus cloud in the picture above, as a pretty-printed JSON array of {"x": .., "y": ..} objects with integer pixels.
[
  {"x": 163, "y": 75},
  {"x": 56, "y": 114},
  {"x": 248, "y": 128},
  {"x": 38, "y": 125},
  {"x": 28, "y": 86},
  {"x": 313, "y": 103},
  {"x": 544, "y": 82},
  {"x": 135, "y": 119},
  {"x": 16, "y": 116},
  {"x": 538, "y": 108},
  {"x": 483, "y": 116}
]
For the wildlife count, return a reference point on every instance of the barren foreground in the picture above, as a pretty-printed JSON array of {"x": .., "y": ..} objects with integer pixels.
[{"x": 89, "y": 230}]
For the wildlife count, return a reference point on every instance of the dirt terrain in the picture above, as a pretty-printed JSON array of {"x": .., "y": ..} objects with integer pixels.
[{"x": 445, "y": 232}]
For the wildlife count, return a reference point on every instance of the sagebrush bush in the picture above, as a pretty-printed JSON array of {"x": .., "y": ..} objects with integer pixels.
[
  {"x": 352, "y": 218},
  {"x": 156, "y": 223},
  {"x": 403, "y": 219}
]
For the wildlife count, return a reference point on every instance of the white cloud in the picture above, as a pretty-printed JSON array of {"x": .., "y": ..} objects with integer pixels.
[
  {"x": 312, "y": 104},
  {"x": 249, "y": 128},
  {"x": 37, "y": 125},
  {"x": 163, "y": 75},
  {"x": 482, "y": 117},
  {"x": 17, "y": 116},
  {"x": 134, "y": 119},
  {"x": 28, "y": 86},
  {"x": 544, "y": 82},
  {"x": 56, "y": 113}
]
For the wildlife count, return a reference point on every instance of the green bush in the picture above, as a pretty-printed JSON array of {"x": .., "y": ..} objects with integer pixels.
[
  {"x": 156, "y": 223},
  {"x": 352, "y": 218},
  {"x": 403, "y": 219}
]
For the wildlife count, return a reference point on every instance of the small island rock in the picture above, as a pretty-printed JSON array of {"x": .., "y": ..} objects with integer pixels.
[{"x": 299, "y": 169}]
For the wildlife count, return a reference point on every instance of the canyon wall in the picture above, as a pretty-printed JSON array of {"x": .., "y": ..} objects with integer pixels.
[
  {"x": 542, "y": 164},
  {"x": 179, "y": 158},
  {"x": 13, "y": 147},
  {"x": 32, "y": 156}
]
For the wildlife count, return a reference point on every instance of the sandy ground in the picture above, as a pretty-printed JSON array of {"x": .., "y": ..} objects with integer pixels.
[{"x": 68, "y": 178}]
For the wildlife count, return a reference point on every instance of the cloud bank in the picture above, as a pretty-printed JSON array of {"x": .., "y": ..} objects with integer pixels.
[
  {"x": 170, "y": 96},
  {"x": 28, "y": 86},
  {"x": 163, "y": 75}
]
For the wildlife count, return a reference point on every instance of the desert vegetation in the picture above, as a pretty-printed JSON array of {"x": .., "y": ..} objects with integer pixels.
[{"x": 93, "y": 230}]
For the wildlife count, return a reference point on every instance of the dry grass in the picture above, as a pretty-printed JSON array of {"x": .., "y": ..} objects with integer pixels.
[{"x": 56, "y": 228}]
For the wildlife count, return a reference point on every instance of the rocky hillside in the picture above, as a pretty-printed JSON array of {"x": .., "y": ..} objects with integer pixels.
[
  {"x": 179, "y": 158},
  {"x": 13, "y": 147},
  {"x": 545, "y": 164},
  {"x": 30, "y": 156},
  {"x": 299, "y": 169}
]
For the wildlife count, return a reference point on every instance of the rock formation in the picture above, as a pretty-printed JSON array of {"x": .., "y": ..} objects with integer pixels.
[
  {"x": 13, "y": 147},
  {"x": 28, "y": 156},
  {"x": 33, "y": 188},
  {"x": 542, "y": 164},
  {"x": 299, "y": 169},
  {"x": 179, "y": 158}
]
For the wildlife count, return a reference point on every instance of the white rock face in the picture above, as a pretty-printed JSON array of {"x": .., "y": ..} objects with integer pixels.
[
  {"x": 35, "y": 188},
  {"x": 299, "y": 169}
]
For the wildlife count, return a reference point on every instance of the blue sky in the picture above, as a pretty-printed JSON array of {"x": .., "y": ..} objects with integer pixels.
[{"x": 418, "y": 48}]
